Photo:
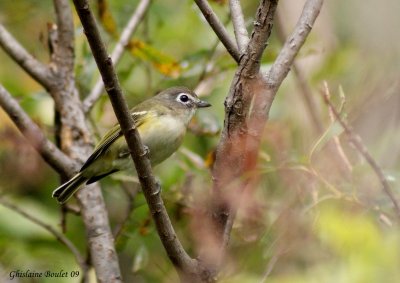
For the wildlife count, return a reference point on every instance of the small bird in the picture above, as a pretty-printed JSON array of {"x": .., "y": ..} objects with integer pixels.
[{"x": 161, "y": 121}]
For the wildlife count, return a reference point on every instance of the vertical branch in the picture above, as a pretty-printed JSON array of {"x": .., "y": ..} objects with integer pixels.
[
  {"x": 244, "y": 120},
  {"x": 76, "y": 142},
  {"x": 239, "y": 26},
  {"x": 246, "y": 110}
]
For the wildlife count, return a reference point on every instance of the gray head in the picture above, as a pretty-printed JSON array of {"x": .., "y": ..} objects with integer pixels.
[{"x": 181, "y": 98}]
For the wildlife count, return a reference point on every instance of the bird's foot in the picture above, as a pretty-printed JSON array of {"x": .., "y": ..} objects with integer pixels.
[
  {"x": 158, "y": 188},
  {"x": 146, "y": 150}
]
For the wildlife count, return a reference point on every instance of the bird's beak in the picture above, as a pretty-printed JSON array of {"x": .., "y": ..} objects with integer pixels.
[{"x": 202, "y": 104}]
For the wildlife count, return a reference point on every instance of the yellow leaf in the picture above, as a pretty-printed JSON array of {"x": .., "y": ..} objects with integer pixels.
[
  {"x": 106, "y": 18},
  {"x": 164, "y": 63}
]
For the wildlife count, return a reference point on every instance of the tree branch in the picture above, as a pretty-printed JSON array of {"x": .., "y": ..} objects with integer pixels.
[
  {"x": 59, "y": 236},
  {"x": 53, "y": 156},
  {"x": 259, "y": 37},
  {"x": 294, "y": 42},
  {"x": 17, "y": 52},
  {"x": 116, "y": 55},
  {"x": 246, "y": 111},
  {"x": 75, "y": 140},
  {"x": 218, "y": 28},
  {"x": 362, "y": 149},
  {"x": 65, "y": 28},
  {"x": 243, "y": 127},
  {"x": 239, "y": 26},
  {"x": 150, "y": 187}
]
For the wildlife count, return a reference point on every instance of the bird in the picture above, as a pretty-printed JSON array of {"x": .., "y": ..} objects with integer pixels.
[{"x": 161, "y": 121}]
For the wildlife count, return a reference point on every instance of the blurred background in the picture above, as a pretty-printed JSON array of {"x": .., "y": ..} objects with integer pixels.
[{"x": 317, "y": 212}]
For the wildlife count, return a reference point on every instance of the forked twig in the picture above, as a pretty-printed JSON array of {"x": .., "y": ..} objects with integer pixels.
[{"x": 356, "y": 140}]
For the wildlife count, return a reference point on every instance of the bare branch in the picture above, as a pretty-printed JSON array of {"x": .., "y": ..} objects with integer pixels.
[
  {"x": 243, "y": 127},
  {"x": 65, "y": 29},
  {"x": 150, "y": 187},
  {"x": 17, "y": 52},
  {"x": 259, "y": 37},
  {"x": 53, "y": 156},
  {"x": 362, "y": 149},
  {"x": 58, "y": 235},
  {"x": 75, "y": 141},
  {"x": 116, "y": 55},
  {"x": 295, "y": 41},
  {"x": 218, "y": 28},
  {"x": 239, "y": 26},
  {"x": 336, "y": 140}
]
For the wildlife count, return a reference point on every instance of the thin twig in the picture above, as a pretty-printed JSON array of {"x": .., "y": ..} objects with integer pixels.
[
  {"x": 270, "y": 266},
  {"x": 218, "y": 28},
  {"x": 150, "y": 187},
  {"x": 239, "y": 26},
  {"x": 294, "y": 42},
  {"x": 18, "y": 53},
  {"x": 58, "y": 235},
  {"x": 362, "y": 149},
  {"x": 116, "y": 55},
  {"x": 53, "y": 156},
  {"x": 336, "y": 139}
]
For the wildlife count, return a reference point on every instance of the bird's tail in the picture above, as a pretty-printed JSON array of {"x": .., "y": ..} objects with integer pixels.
[{"x": 66, "y": 190}]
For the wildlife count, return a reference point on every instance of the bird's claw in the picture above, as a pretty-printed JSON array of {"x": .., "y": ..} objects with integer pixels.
[
  {"x": 146, "y": 150},
  {"x": 158, "y": 188}
]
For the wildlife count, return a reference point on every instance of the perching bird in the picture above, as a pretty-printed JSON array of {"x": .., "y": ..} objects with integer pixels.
[{"x": 161, "y": 121}]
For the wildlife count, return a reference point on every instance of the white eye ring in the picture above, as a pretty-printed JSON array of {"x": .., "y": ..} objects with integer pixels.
[{"x": 183, "y": 98}]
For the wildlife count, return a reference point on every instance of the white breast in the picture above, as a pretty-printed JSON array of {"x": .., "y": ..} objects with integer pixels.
[{"x": 162, "y": 136}]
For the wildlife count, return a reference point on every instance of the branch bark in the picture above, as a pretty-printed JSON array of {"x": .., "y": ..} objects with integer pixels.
[
  {"x": 218, "y": 28},
  {"x": 150, "y": 187},
  {"x": 116, "y": 55},
  {"x": 246, "y": 111},
  {"x": 239, "y": 26},
  {"x": 18, "y": 53},
  {"x": 245, "y": 117},
  {"x": 75, "y": 140}
]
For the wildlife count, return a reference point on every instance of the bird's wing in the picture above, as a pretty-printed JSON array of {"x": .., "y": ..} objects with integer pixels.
[{"x": 113, "y": 134}]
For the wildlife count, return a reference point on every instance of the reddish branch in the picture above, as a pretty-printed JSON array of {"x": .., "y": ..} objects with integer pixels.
[{"x": 246, "y": 110}]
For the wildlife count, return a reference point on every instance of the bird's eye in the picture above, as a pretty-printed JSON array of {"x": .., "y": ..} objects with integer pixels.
[{"x": 184, "y": 98}]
